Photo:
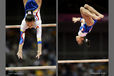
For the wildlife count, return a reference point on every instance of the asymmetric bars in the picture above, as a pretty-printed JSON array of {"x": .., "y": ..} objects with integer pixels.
[
  {"x": 29, "y": 68},
  {"x": 84, "y": 61},
  {"x": 18, "y": 26}
]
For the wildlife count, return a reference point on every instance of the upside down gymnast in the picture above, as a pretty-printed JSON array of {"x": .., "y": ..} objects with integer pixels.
[
  {"x": 32, "y": 19},
  {"x": 89, "y": 17}
]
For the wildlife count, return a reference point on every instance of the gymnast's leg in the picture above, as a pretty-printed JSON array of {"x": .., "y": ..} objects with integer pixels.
[
  {"x": 88, "y": 16},
  {"x": 91, "y": 9}
]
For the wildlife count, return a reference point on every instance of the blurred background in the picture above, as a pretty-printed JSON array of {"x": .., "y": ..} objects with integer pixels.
[
  {"x": 88, "y": 69},
  {"x": 68, "y": 49},
  {"x": 14, "y": 15}
]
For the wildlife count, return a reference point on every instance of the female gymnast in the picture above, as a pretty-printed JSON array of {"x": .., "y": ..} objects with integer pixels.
[
  {"x": 32, "y": 19},
  {"x": 89, "y": 17}
]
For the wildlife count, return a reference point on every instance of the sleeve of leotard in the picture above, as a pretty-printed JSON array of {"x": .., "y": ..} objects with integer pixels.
[
  {"x": 39, "y": 33},
  {"x": 22, "y": 32},
  {"x": 81, "y": 19}
]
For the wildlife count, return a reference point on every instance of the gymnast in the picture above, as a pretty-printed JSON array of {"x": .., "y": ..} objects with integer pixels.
[
  {"x": 89, "y": 17},
  {"x": 32, "y": 19}
]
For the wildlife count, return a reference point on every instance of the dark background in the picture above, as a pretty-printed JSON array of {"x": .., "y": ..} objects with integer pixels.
[
  {"x": 72, "y": 6},
  {"x": 68, "y": 47},
  {"x": 15, "y": 11}
]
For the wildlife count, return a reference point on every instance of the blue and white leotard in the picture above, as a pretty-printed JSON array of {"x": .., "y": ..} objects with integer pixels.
[
  {"x": 84, "y": 29},
  {"x": 31, "y": 5}
]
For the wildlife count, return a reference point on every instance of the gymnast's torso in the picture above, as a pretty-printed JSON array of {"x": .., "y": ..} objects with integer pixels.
[
  {"x": 84, "y": 29},
  {"x": 32, "y": 5}
]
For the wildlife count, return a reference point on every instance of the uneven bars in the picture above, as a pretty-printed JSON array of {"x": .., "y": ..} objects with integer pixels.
[
  {"x": 84, "y": 61},
  {"x": 29, "y": 68},
  {"x": 18, "y": 26}
]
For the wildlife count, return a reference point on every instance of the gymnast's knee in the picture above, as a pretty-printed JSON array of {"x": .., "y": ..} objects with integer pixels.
[
  {"x": 81, "y": 9},
  {"x": 86, "y": 5}
]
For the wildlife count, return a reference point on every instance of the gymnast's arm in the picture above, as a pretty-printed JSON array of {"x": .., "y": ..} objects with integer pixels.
[
  {"x": 22, "y": 37},
  {"x": 21, "y": 42},
  {"x": 39, "y": 42},
  {"x": 76, "y": 19},
  {"x": 39, "y": 2}
]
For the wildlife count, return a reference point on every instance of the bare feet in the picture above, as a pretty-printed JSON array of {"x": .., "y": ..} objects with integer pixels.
[{"x": 101, "y": 16}]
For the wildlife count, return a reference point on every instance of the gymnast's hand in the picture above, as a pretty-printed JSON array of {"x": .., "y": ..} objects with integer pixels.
[
  {"x": 19, "y": 54},
  {"x": 74, "y": 19},
  {"x": 38, "y": 54}
]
